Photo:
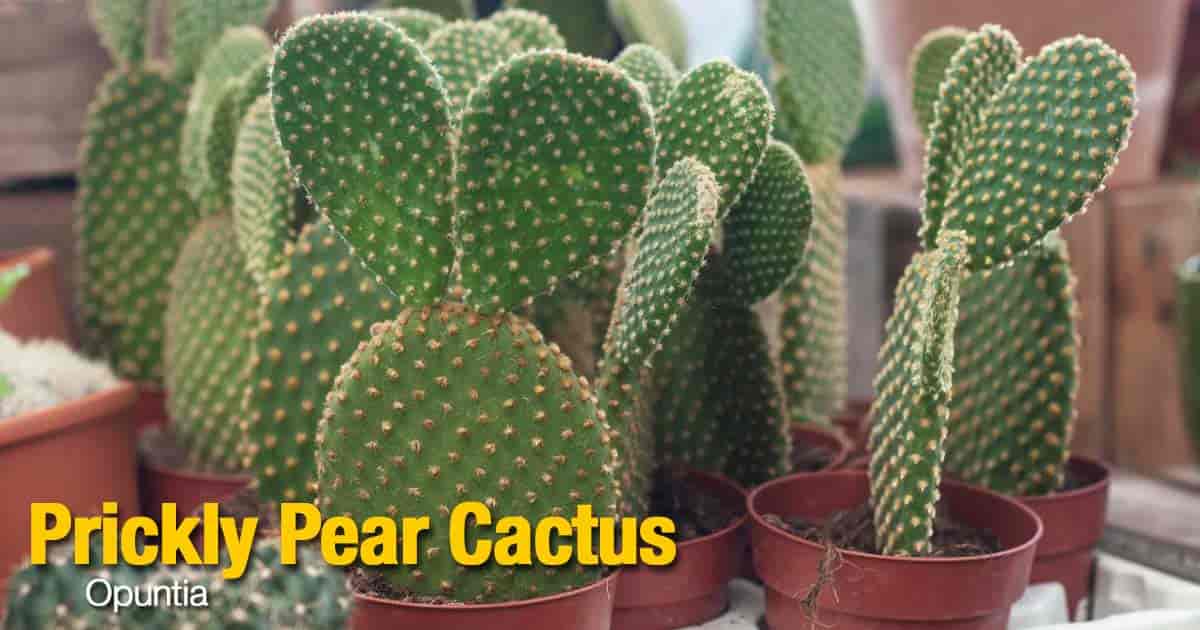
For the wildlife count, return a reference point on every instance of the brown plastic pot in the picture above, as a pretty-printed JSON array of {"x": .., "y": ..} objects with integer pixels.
[
  {"x": 185, "y": 488},
  {"x": 693, "y": 589},
  {"x": 813, "y": 436},
  {"x": 853, "y": 422},
  {"x": 1074, "y": 524},
  {"x": 1150, "y": 36},
  {"x": 874, "y": 592},
  {"x": 587, "y": 608},
  {"x": 81, "y": 453},
  {"x": 150, "y": 410},
  {"x": 34, "y": 310}
]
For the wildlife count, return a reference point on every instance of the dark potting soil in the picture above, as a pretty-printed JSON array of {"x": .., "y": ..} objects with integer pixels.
[
  {"x": 810, "y": 458},
  {"x": 246, "y": 503},
  {"x": 160, "y": 447},
  {"x": 375, "y": 585},
  {"x": 694, "y": 512},
  {"x": 855, "y": 531}
]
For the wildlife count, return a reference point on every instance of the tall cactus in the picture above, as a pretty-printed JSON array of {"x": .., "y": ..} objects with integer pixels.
[{"x": 1016, "y": 154}]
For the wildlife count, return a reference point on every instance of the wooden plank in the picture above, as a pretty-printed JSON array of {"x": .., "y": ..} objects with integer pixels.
[
  {"x": 1152, "y": 229},
  {"x": 1087, "y": 242}
]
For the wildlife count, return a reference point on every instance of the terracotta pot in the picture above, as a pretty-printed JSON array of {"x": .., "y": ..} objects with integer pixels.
[
  {"x": 1149, "y": 36},
  {"x": 877, "y": 592},
  {"x": 185, "y": 488},
  {"x": 814, "y": 436},
  {"x": 853, "y": 421},
  {"x": 692, "y": 590},
  {"x": 34, "y": 310},
  {"x": 587, "y": 608},
  {"x": 1074, "y": 523},
  {"x": 80, "y": 453},
  {"x": 150, "y": 410}
]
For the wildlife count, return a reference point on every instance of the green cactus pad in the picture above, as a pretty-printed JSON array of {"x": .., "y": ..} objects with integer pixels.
[
  {"x": 651, "y": 69},
  {"x": 132, "y": 216},
  {"x": 446, "y": 405},
  {"x": 238, "y": 49},
  {"x": 447, "y": 9},
  {"x": 930, "y": 59},
  {"x": 263, "y": 208},
  {"x": 1044, "y": 146},
  {"x": 235, "y": 101},
  {"x": 196, "y": 24},
  {"x": 122, "y": 26},
  {"x": 466, "y": 52},
  {"x": 766, "y": 232},
  {"x": 678, "y": 226},
  {"x": 528, "y": 30},
  {"x": 538, "y": 203},
  {"x": 1187, "y": 290},
  {"x": 658, "y": 23},
  {"x": 209, "y": 323},
  {"x": 1016, "y": 374},
  {"x": 913, "y": 389},
  {"x": 416, "y": 23},
  {"x": 722, "y": 116},
  {"x": 53, "y": 596},
  {"x": 585, "y": 24},
  {"x": 977, "y": 71},
  {"x": 365, "y": 123},
  {"x": 812, "y": 325},
  {"x": 316, "y": 308},
  {"x": 820, "y": 73}
]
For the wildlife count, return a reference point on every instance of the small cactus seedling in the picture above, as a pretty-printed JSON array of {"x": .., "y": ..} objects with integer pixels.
[
  {"x": 1011, "y": 156},
  {"x": 209, "y": 322}
]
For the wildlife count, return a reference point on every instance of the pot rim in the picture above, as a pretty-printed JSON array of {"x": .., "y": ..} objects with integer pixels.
[
  {"x": 1032, "y": 542},
  {"x": 1096, "y": 486},
  {"x": 845, "y": 444},
  {"x": 58, "y": 418},
  {"x": 608, "y": 582},
  {"x": 38, "y": 257},
  {"x": 733, "y": 525}
]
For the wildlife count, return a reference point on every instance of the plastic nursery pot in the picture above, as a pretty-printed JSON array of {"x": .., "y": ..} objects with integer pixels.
[
  {"x": 808, "y": 436},
  {"x": 691, "y": 590},
  {"x": 874, "y": 592},
  {"x": 150, "y": 409},
  {"x": 587, "y": 608},
  {"x": 1073, "y": 522},
  {"x": 853, "y": 422},
  {"x": 187, "y": 489},
  {"x": 1149, "y": 38},
  {"x": 81, "y": 453},
  {"x": 34, "y": 310}
]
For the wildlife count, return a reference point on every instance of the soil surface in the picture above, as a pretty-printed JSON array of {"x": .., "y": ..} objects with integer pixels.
[
  {"x": 246, "y": 503},
  {"x": 854, "y": 530},
  {"x": 810, "y": 458},
  {"x": 694, "y": 512},
  {"x": 160, "y": 448}
]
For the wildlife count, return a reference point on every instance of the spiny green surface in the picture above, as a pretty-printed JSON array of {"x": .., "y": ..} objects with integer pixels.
[
  {"x": 416, "y": 23},
  {"x": 722, "y": 116},
  {"x": 977, "y": 71},
  {"x": 237, "y": 49},
  {"x": 658, "y": 23},
  {"x": 820, "y": 73},
  {"x": 263, "y": 202},
  {"x": 131, "y": 217},
  {"x": 446, "y": 405},
  {"x": 54, "y": 596},
  {"x": 236, "y": 99},
  {"x": 585, "y": 24},
  {"x": 528, "y": 30},
  {"x": 766, "y": 232},
  {"x": 196, "y": 24},
  {"x": 447, "y": 9},
  {"x": 1187, "y": 290},
  {"x": 1044, "y": 146},
  {"x": 316, "y": 307},
  {"x": 365, "y": 122},
  {"x": 929, "y": 61},
  {"x": 209, "y": 323},
  {"x": 912, "y": 390},
  {"x": 1016, "y": 374},
  {"x": 651, "y": 69},
  {"x": 464, "y": 53},
  {"x": 813, "y": 322},
  {"x": 555, "y": 163},
  {"x": 122, "y": 26}
]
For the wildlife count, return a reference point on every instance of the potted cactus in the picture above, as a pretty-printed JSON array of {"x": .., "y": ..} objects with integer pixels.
[{"x": 1018, "y": 145}]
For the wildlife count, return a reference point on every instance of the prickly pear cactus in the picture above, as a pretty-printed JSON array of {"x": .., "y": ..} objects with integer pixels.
[
  {"x": 528, "y": 30},
  {"x": 54, "y": 596},
  {"x": 466, "y": 52},
  {"x": 447, "y": 9},
  {"x": 584, "y": 24},
  {"x": 446, "y": 405},
  {"x": 652, "y": 69},
  {"x": 418, "y": 24},
  {"x": 264, "y": 209},
  {"x": 657, "y": 23},
  {"x": 1016, "y": 374},
  {"x": 930, "y": 58},
  {"x": 195, "y": 24},
  {"x": 913, "y": 390},
  {"x": 209, "y": 322},
  {"x": 122, "y": 26},
  {"x": 316, "y": 307},
  {"x": 1188, "y": 299}
]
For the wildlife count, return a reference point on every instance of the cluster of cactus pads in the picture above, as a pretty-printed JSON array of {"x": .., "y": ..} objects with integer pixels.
[{"x": 978, "y": 369}]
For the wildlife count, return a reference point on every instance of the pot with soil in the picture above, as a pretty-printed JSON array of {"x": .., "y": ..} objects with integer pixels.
[
  {"x": 814, "y": 548},
  {"x": 167, "y": 476},
  {"x": 815, "y": 449},
  {"x": 34, "y": 309},
  {"x": 709, "y": 512},
  {"x": 1073, "y": 520}
]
